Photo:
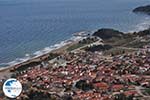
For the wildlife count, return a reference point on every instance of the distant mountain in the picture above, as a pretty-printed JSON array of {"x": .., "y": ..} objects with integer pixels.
[
  {"x": 142, "y": 9},
  {"x": 108, "y": 33}
]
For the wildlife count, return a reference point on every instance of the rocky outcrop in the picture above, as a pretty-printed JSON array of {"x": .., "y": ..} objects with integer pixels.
[
  {"x": 108, "y": 33},
  {"x": 143, "y": 33},
  {"x": 143, "y": 9}
]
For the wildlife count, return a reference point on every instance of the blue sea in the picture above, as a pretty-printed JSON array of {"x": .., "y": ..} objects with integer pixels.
[{"x": 29, "y": 26}]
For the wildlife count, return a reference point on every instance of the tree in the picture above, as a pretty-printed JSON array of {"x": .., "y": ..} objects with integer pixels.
[{"x": 84, "y": 85}]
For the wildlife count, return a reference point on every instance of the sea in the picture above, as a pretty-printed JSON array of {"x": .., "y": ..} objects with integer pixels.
[{"x": 29, "y": 28}]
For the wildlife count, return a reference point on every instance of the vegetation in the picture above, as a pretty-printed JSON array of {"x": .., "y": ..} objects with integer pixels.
[
  {"x": 34, "y": 63},
  {"x": 119, "y": 42},
  {"x": 143, "y": 33},
  {"x": 82, "y": 43},
  {"x": 75, "y": 46},
  {"x": 108, "y": 34},
  {"x": 137, "y": 44},
  {"x": 147, "y": 91},
  {"x": 84, "y": 85},
  {"x": 121, "y": 96},
  {"x": 143, "y": 9},
  {"x": 37, "y": 95},
  {"x": 98, "y": 48},
  {"x": 24, "y": 67},
  {"x": 117, "y": 51}
]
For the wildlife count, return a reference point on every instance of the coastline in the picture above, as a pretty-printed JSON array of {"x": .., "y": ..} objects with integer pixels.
[
  {"x": 112, "y": 63},
  {"x": 144, "y": 24},
  {"x": 63, "y": 45},
  {"x": 57, "y": 48}
]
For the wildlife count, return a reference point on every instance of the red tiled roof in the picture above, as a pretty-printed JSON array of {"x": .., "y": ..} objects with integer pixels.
[
  {"x": 117, "y": 87},
  {"x": 131, "y": 87},
  {"x": 105, "y": 98},
  {"x": 102, "y": 85},
  {"x": 128, "y": 93}
]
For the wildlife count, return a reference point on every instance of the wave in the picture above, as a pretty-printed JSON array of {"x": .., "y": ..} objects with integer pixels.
[
  {"x": 144, "y": 24},
  {"x": 41, "y": 52}
]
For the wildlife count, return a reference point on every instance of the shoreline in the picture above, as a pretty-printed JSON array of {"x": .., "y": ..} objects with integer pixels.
[
  {"x": 44, "y": 50},
  {"x": 53, "y": 47},
  {"x": 38, "y": 58},
  {"x": 77, "y": 36},
  {"x": 60, "y": 47},
  {"x": 6, "y": 71}
]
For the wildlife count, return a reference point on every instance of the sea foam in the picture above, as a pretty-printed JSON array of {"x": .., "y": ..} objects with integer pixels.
[
  {"x": 144, "y": 24},
  {"x": 41, "y": 52}
]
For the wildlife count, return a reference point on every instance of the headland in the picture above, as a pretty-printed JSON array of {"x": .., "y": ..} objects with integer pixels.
[{"x": 107, "y": 64}]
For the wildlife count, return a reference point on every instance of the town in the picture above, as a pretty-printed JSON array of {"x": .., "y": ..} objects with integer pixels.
[{"x": 85, "y": 75}]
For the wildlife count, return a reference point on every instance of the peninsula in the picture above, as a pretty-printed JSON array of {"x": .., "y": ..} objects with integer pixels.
[
  {"x": 107, "y": 65},
  {"x": 142, "y": 9}
]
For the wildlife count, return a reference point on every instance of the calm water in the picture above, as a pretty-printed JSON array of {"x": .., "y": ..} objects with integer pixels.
[{"x": 27, "y": 26}]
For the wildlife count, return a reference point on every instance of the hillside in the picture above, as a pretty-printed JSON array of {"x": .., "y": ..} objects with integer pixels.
[
  {"x": 108, "y": 33},
  {"x": 142, "y": 9}
]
